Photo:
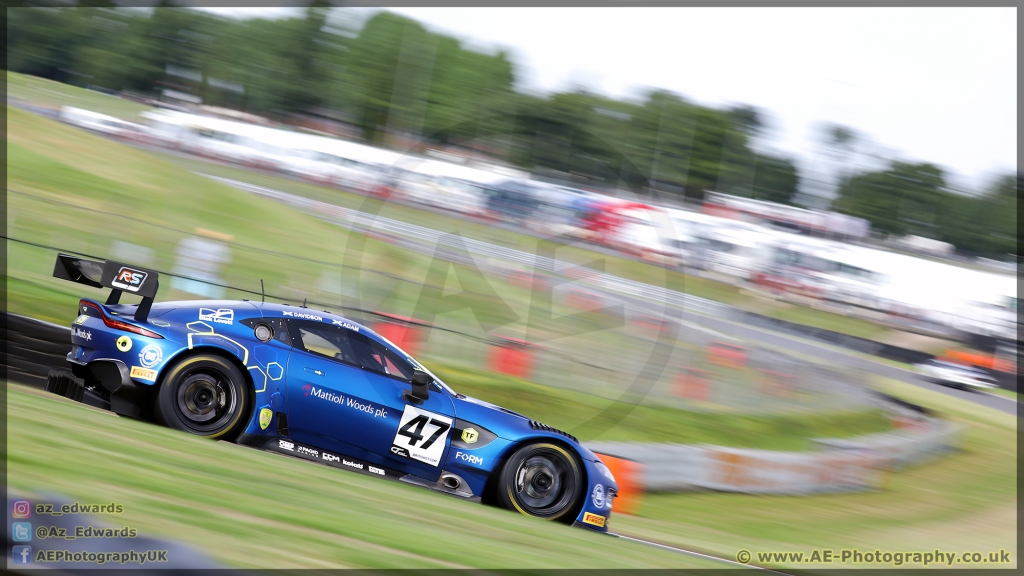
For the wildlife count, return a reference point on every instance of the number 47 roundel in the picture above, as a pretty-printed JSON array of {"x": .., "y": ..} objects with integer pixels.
[{"x": 421, "y": 435}]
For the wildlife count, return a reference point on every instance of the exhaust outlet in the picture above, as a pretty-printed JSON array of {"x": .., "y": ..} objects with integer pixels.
[{"x": 451, "y": 482}]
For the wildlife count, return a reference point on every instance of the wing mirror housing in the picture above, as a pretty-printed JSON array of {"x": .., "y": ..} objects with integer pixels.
[{"x": 420, "y": 390}]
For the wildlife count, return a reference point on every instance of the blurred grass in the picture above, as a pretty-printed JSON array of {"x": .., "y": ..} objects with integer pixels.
[
  {"x": 828, "y": 321},
  {"x": 1006, "y": 393},
  {"x": 73, "y": 190},
  {"x": 591, "y": 418},
  {"x": 965, "y": 501},
  {"x": 52, "y": 94},
  {"x": 253, "y": 509}
]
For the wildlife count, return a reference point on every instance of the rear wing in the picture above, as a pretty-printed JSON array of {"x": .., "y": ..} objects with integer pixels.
[{"x": 118, "y": 276}]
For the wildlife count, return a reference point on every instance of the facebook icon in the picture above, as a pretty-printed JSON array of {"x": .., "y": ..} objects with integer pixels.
[{"x": 21, "y": 554}]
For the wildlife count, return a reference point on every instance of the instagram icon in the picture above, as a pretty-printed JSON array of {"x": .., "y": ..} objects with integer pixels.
[{"x": 21, "y": 509}]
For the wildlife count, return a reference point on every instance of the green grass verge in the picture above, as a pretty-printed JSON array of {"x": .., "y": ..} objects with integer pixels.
[
  {"x": 253, "y": 509},
  {"x": 592, "y": 418},
  {"x": 965, "y": 501},
  {"x": 51, "y": 94},
  {"x": 828, "y": 321},
  {"x": 1005, "y": 393}
]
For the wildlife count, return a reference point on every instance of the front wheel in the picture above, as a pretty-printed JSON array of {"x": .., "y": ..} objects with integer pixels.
[
  {"x": 543, "y": 480},
  {"x": 204, "y": 395}
]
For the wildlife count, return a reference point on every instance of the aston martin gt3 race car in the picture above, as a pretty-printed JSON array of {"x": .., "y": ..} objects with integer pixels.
[{"x": 317, "y": 386}]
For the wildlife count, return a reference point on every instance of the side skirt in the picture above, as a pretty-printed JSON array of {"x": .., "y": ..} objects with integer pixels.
[{"x": 302, "y": 451}]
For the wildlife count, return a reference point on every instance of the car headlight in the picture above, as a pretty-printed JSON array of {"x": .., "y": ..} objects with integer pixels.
[{"x": 604, "y": 470}]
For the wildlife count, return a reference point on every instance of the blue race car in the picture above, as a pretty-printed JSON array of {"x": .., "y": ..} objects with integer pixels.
[{"x": 317, "y": 386}]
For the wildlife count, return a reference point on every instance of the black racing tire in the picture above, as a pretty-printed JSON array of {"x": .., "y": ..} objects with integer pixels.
[
  {"x": 205, "y": 395},
  {"x": 544, "y": 480}
]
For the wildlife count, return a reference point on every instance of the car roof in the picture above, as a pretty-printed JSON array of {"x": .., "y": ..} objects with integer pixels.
[
  {"x": 276, "y": 310},
  {"x": 273, "y": 309}
]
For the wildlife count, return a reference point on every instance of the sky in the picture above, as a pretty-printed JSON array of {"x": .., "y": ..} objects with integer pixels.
[{"x": 923, "y": 84}]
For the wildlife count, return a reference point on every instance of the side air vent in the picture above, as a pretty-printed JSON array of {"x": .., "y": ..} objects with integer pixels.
[{"x": 538, "y": 426}]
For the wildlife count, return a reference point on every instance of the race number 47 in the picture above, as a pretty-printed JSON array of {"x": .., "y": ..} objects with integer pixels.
[{"x": 421, "y": 435}]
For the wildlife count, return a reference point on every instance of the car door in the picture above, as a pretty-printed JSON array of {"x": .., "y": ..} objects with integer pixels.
[{"x": 346, "y": 394}]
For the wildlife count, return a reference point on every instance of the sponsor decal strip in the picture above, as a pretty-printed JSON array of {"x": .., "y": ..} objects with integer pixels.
[{"x": 331, "y": 459}]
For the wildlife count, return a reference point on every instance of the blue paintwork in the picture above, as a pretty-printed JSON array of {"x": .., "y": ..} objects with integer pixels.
[{"x": 329, "y": 405}]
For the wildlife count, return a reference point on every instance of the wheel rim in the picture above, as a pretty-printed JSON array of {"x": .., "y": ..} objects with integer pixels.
[
  {"x": 205, "y": 400},
  {"x": 545, "y": 483}
]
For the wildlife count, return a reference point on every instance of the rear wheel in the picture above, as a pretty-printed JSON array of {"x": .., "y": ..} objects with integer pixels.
[
  {"x": 204, "y": 395},
  {"x": 543, "y": 480}
]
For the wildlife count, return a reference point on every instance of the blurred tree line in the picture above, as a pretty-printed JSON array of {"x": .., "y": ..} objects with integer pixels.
[{"x": 393, "y": 77}]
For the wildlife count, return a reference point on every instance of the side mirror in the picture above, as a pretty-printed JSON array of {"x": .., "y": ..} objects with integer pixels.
[{"x": 420, "y": 391}]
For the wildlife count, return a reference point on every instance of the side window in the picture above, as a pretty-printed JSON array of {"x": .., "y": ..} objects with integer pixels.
[
  {"x": 349, "y": 347},
  {"x": 376, "y": 357},
  {"x": 323, "y": 339}
]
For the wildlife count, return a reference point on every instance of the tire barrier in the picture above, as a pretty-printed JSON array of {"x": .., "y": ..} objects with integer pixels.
[
  {"x": 836, "y": 465},
  {"x": 34, "y": 348},
  {"x": 854, "y": 343},
  {"x": 913, "y": 444}
]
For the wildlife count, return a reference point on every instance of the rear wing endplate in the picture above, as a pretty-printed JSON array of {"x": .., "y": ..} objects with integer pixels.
[{"x": 118, "y": 276}]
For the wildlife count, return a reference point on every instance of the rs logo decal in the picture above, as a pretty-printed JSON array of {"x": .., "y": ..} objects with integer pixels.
[{"x": 128, "y": 279}]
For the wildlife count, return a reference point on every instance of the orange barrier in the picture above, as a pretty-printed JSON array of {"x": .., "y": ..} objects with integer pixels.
[
  {"x": 978, "y": 359},
  {"x": 514, "y": 358},
  {"x": 401, "y": 331},
  {"x": 722, "y": 354},
  {"x": 582, "y": 300},
  {"x": 652, "y": 324},
  {"x": 527, "y": 280},
  {"x": 693, "y": 384},
  {"x": 627, "y": 476}
]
